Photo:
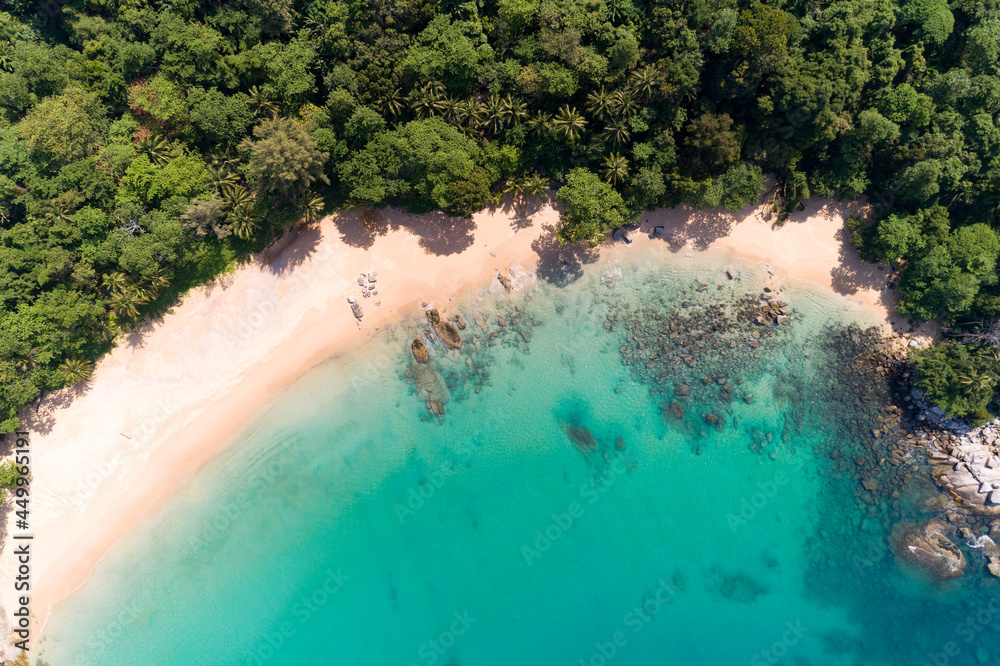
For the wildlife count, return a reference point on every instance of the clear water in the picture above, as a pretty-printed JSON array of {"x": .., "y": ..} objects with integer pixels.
[{"x": 348, "y": 526}]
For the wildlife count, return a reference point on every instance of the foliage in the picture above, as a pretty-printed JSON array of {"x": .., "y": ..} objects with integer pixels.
[
  {"x": 592, "y": 208},
  {"x": 960, "y": 379}
]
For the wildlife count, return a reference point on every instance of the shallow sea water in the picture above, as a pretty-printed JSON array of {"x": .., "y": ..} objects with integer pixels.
[{"x": 346, "y": 525}]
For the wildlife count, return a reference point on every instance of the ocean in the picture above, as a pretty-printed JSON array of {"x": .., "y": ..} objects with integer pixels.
[{"x": 631, "y": 470}]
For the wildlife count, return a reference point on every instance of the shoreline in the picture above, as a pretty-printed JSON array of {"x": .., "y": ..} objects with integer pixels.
[{"x": 183, "y": 386}]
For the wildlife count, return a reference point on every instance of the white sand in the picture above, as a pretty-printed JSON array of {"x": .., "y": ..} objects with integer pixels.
[{"x": 172, "y": 395}]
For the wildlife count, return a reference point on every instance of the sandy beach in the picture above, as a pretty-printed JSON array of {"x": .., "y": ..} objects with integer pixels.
[{"x": 172, "y": 395}]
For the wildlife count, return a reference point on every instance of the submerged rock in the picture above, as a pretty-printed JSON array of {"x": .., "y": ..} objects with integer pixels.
[
  {"x": 927, "y": 548},
  {"x": 582, "y": 438}
]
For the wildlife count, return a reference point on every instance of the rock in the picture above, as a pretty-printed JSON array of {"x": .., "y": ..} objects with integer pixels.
[
  {"x": 927, "y": 548},
  {"x": 676, "y": 410},
  {"x": 372, "y": 278},
  {"x": 459, "y": 322},
  {"x": 361, "y": 280},
  {"x": 965, "y": 473},
  {"x": 420, "y": 351},
  {"x": 620, "y": 235},
  {"x": 732, "y": 273},
  {"x": 747, "y": 398},
  {"x": 871, "y": 485},
  {"x": 582, "y": 438},
  {"x": 504, "y": 281},
  {"x": 355, "y": 308},
  {"x": 445, "y": 330},
  {"x": 435, "y": 408},
  {"x": 682, "y": 390}
]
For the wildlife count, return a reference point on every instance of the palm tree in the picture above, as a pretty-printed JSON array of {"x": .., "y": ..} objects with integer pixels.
[
  {"x": 470, "y": 112},
  {"x": 28, "y": 362},
  {"x": 115, "y": 281},
  {"x": 569, "y": 122},
  {"x": 261, "y": 102},
  {"x": 6, "y": 55},
  {"x": 624, "y": 103},
  {"x": 313, "y": 210},
  {"x": 599, "y": 103},
  {"x": 425, "y": 98},
  {"x": 392, "y": 103},
  {"x": 75, "y": 370},
  {"x": 496, "y": 111},
  {"x": 158, "y": 280},
  {"x": 450, "y": 109},
  {"x": 518, "y": 109},
  {"x": 237, "y": 196},
  {"x": 242, "y": 222},
  {"x": 974, "y": 382},
  {"x": 539, "y": 124},
  {"x": 221, "y": 177},
  {"x": 535, "y": 185},
  {"x": 614, "y": 168},
  {"x": 125, "y": 304},
  {"x": 644, "y": 81},
  {"x": 616, "y": 133},
  {"x": 157, "y": 149}
]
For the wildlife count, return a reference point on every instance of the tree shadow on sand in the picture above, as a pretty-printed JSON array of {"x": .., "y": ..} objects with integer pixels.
[
  {"x": 40, "y": 415},
  {"x": 561, "y": 264},
  {"x": 439, "y": 234},
  {"x": 683, "y": 224},
  {"x": 292, "y": 250}
]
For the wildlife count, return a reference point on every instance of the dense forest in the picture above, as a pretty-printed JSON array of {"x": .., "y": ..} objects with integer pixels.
[{"x": 147, "y": 145}]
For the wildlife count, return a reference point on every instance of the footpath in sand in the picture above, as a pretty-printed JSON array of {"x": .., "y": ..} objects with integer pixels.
[{"x": 174, "y": 393}]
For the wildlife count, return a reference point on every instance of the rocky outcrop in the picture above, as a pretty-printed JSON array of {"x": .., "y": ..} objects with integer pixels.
[
  {"x": 431, "y": 387},
  {"x": 420, "y": 351},
  {"x": 926, "y": 547},
  {"x": 445, "y": 330},
  {"x": 969, "y": 472}
]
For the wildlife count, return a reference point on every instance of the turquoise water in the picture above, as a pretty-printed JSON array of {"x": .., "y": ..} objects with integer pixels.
[{"x": 349, "y": 526}]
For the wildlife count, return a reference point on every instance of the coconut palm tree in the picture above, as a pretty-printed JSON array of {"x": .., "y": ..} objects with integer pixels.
[
  {"x": 424, "y": 99},
  {"x": 115, "y": 281},
  {"x": 496, "y": 111},
  {"x": 644, "y": 82},
  {"x": 125, "y": 303},
  {"x": 470, "y": 113},
  {"x": 615, "y": 133},
  {"x": 261, "y": 103},
  {"x": 313, "y": 210},
  {"x": 28, "y": 362},
  {"x": 6, "y": 56},
  {"x": 614, "y": 168},
  {"x": 158, "y": 280},
  {"x": 599, "y": 103},
  {"x": 569, "y": 122},
  {"x": 237, "y": 196},
  {"x": 75, "y": 370},
  {"x": 539, "y": 124},
  {"x": 156, "y": 149},
  {"x": 242, "y": 222},
  {"x": 518, "y": 109},
  {"x": 392, "y": 103},
  {"x": 976, "y": 382},
  {"x": 624, "y": 104},
  {"x": 221, "y": 176},
  {"x": 450, "y": 109},
  {"x": 535, "y": 185}
]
